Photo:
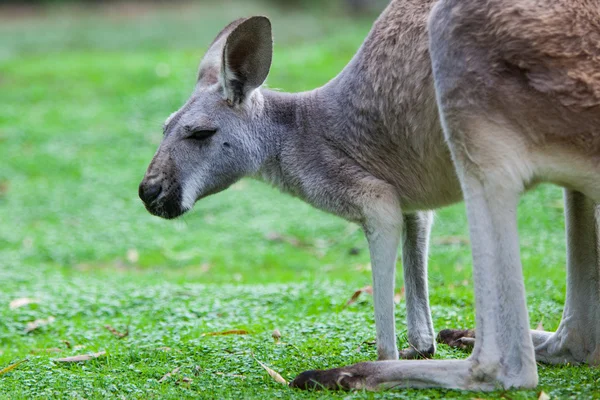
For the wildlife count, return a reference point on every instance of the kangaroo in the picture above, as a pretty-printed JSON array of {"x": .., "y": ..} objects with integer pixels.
[
  {"x": 369, "y": 147},
  {"x": 518, "y": 87}
]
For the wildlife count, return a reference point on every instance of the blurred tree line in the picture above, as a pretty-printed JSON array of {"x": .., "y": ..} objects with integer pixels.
[{"x": 352, "y": 6}]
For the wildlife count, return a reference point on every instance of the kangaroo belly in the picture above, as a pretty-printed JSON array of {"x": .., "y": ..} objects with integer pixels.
[{"x": 426, "y": 179}]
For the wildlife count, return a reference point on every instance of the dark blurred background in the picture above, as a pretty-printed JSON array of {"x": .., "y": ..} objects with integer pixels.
[{"x": 352, "y": 6}]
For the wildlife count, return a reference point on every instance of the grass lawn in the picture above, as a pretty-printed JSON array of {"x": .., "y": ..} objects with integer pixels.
[{"x": 83, "y": 94}]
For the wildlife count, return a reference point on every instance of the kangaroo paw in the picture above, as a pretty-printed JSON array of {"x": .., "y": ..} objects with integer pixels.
[{"x": 458, "y": 338}]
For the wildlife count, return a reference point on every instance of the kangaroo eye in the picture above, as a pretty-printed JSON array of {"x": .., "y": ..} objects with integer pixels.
[{"x": 202, "y": 134}]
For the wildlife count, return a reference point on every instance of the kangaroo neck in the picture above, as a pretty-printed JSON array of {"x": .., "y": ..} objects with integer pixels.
[{"x": 294, "y": 122}]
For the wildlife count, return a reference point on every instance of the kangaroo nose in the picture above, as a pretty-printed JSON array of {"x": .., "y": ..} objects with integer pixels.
[{"x": 149, "y": 192}]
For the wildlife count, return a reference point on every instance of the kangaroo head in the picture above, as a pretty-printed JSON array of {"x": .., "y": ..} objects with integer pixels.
[{"x": 215, "y": 138}]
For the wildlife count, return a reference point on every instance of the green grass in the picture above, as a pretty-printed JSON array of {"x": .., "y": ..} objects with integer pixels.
[{"x": 82, "y": 97}]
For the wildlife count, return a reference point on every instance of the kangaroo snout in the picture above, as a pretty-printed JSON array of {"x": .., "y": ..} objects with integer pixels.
[
  {"x": 149, "y": 190},
  {"x": 161, "y": 197}
]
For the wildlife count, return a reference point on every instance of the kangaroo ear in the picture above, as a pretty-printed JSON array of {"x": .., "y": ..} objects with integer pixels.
[
  {"x": 210, "y": 66},
  {"x": 246, "y": 58}
]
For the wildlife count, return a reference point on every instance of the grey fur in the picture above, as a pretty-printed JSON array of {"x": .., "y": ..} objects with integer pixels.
[
  {"x": 367, "y": 147},
  {"x": 518, "y": 88}
]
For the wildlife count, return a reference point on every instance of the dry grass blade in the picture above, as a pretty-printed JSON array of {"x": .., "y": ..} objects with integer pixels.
[
  {"x": 317, "y": 247},
  {"x": 356, "y": 295},
  {"x": 23, "y": 301},
  {"x": 133, "y": 256},
  {"x": 119, "y": 335},
  {"x": 81, "y": 357},
  {"x": 38, "y": 323},
  {"x": 276, "y": 335},
  {"x": 49, "y": 350},
  {"x": 452, "y": 240},
  {"x": 543, "y": 396},
  {"x": 184, "y": 381},
  {"x": 540, "y": 325},
  {"x": 399, "y": 296},
  {"x": 232, "y": 375},
  {"x": 168, "y": 375},
  {"x": 3, "y": 188},
  {"x": 12, "y": 366},
  {"x": 230, "y": 332},
  {"x": 278, "y": 237},
  {"x": 275, "y": 375}
]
